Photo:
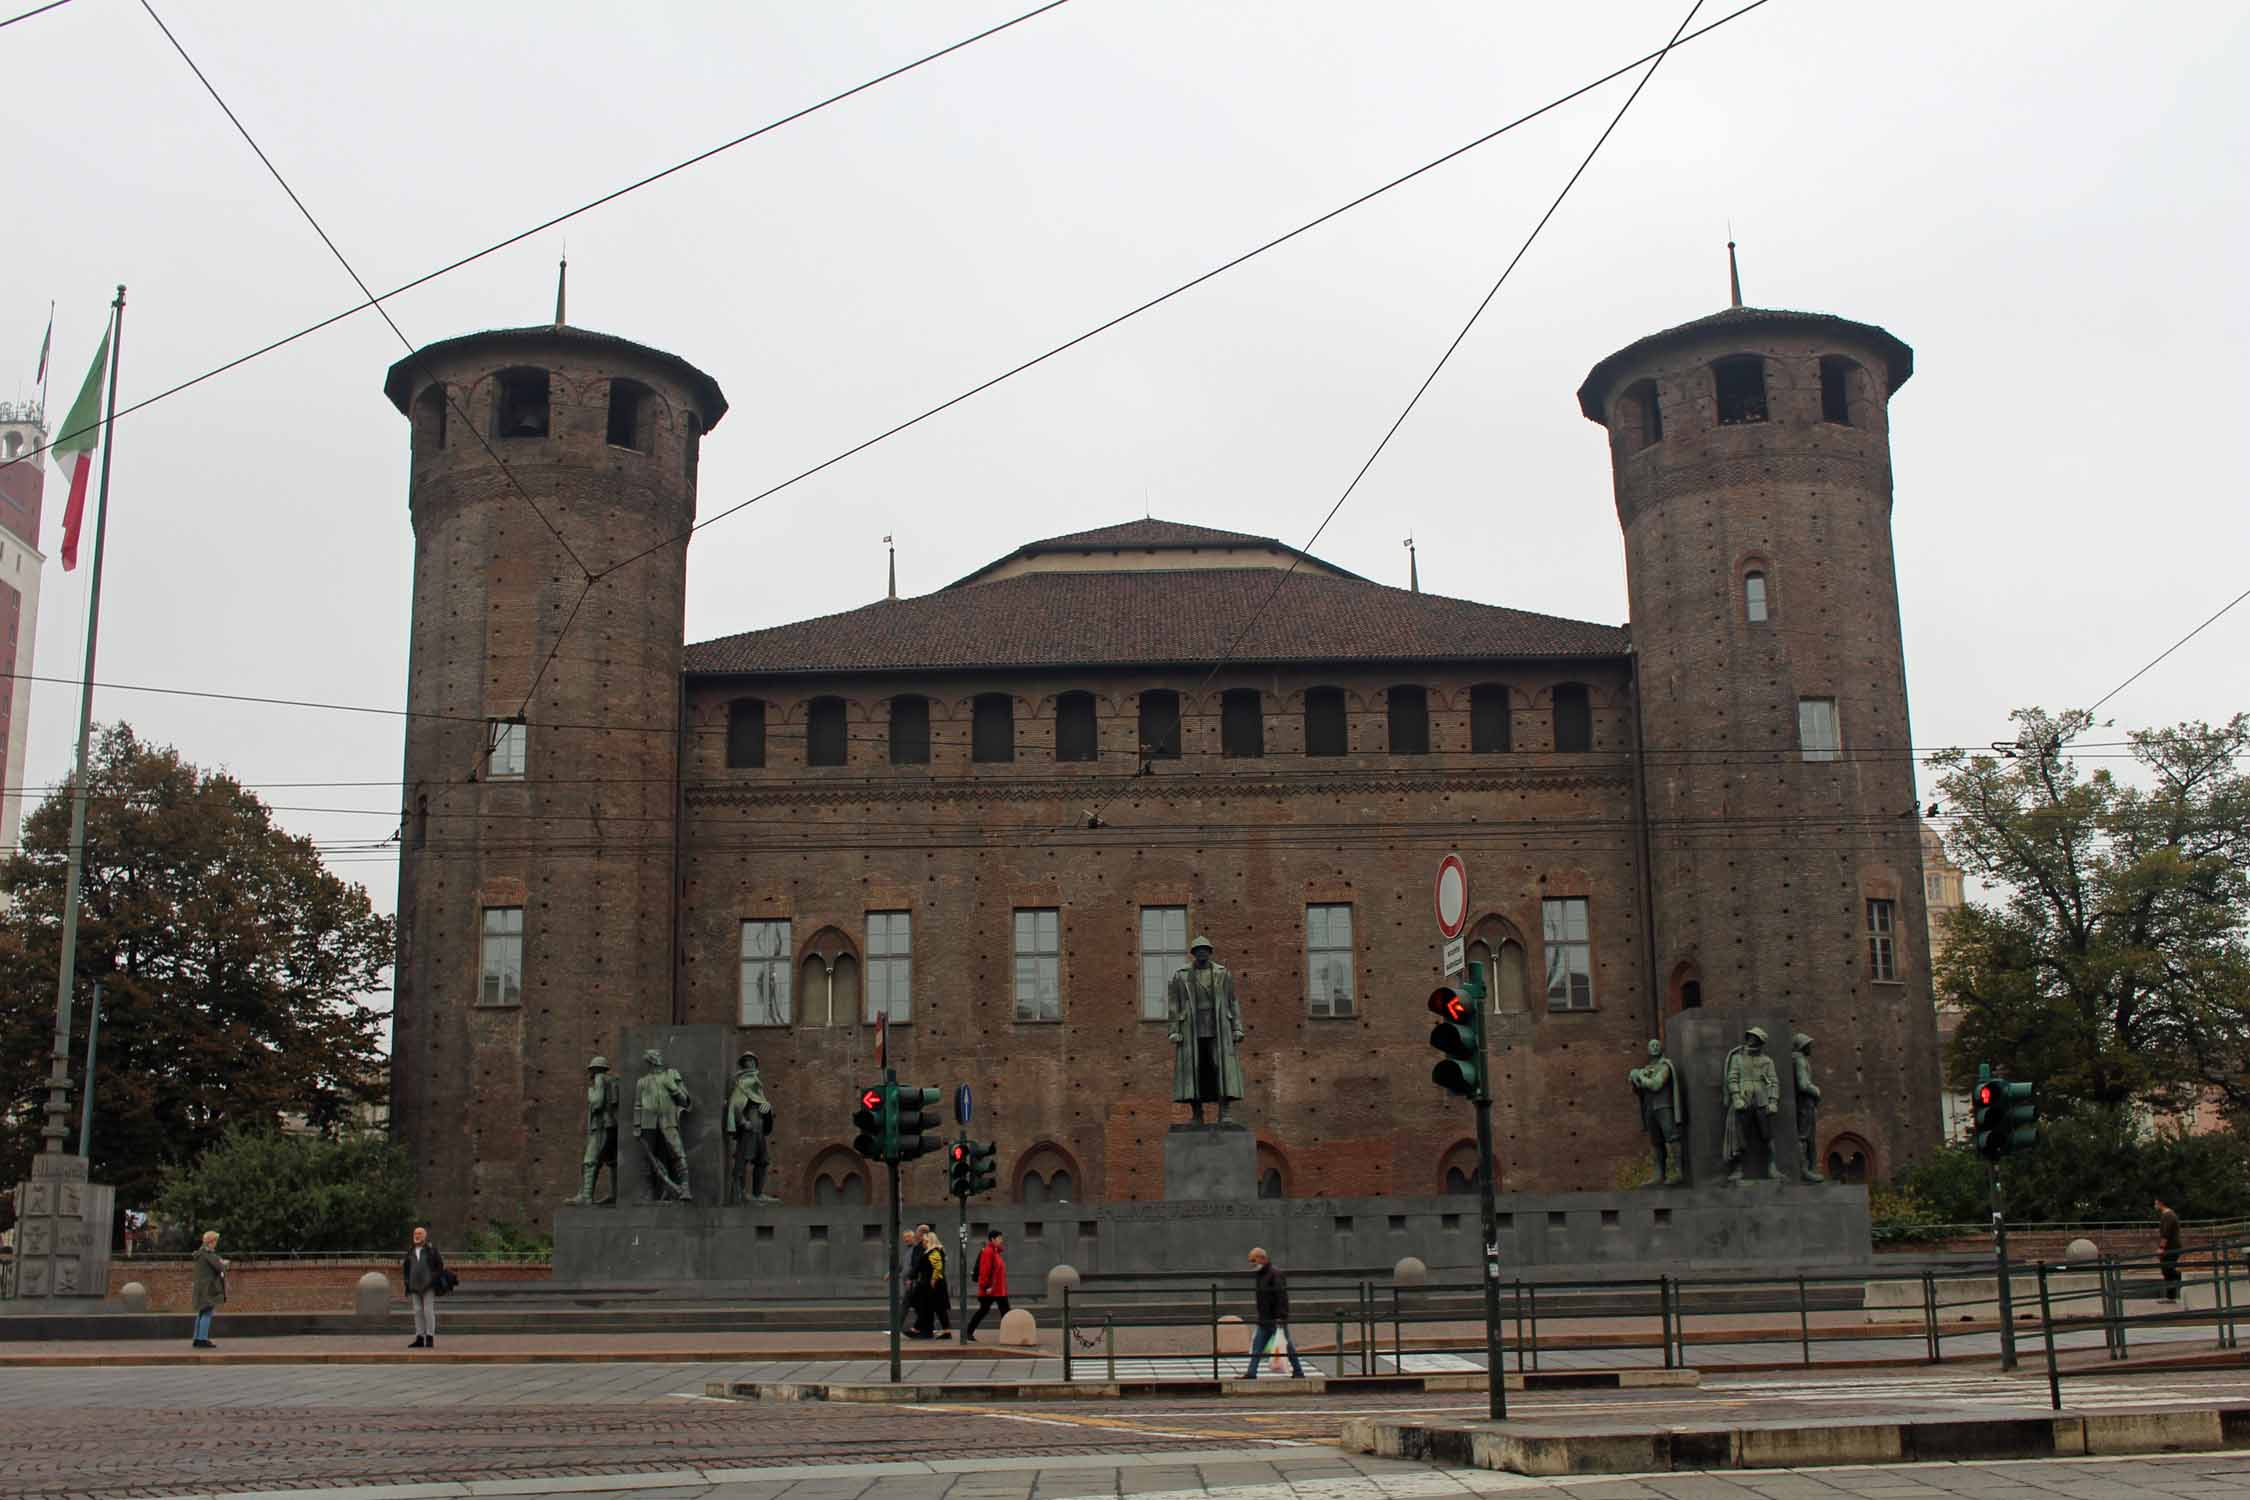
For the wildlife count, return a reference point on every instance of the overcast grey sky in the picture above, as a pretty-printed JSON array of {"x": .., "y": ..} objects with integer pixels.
[{"x": 2045, "y": 200}]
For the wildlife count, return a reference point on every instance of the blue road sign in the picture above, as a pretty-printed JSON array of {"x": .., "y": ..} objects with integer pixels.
[{"x": 961, "y": 1105}]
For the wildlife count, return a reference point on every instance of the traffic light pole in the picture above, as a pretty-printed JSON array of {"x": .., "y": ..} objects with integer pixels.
[
  {"x": 1492, "y": 1356},
  {"x": 961, "y": 1264},
  {"x": 891, "y": 1255},
  {"x": 2000, "y": 1257}
]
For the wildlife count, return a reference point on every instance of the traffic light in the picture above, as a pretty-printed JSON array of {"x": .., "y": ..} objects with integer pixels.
[
  {"x": 917, "y": 1122},
  {"x": 1459, "y": 1036},
  {"x": 957, "y": 1173},
  {"x": 984, "y": 1174},
  {"x": 2006, "y": 1115},
  {"x": 877, "y": 1122}
]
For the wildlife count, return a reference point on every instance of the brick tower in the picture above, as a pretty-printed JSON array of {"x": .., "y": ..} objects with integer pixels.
[
  {"x": 1751, "y": 456},
  {"x": 535, "y": 871}
]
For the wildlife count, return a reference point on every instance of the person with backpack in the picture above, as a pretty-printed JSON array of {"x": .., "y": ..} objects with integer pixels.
[
  {"x": 992, "y": 1283},
  {"x": 426, "y": 1280}
]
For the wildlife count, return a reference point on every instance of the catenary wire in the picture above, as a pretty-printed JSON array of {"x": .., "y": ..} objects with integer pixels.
[
  {"x": 2168, "y": 650},
  {"x": 522, "y": 235},
  {"x": 36, "y": 10}
]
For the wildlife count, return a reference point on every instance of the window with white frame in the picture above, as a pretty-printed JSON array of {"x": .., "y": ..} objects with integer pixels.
[
  {"x": 1882, "y": 946},
  {"x": 1754, "y": 596},
  {"x": 1818, "y": 734},
  {"x": 890, "y": 965},
  {"x": 765, "y": 973},
  {"x": 507, "y": 754},
  {"x": 502, "y": 967},
  {"x": 1570, "y": 953},
  {"x": 1039, "y": 964},
  {"x": 1164, "y": 952},
  {"x": 1328, "y": 960}
]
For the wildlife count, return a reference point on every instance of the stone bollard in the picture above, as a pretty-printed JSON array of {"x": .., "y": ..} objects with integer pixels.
[
  {"x": 1020, "y": 1329},
  {"x": 1057, "y": 1279},
  {"x": 371, "y": 1298},
  {"x": 134, "y": 1296},
  {"x": 2080, "y": 1251},
  {"x": 1410, "y": 1272},
  {"x": 1234, "y": 1335}
]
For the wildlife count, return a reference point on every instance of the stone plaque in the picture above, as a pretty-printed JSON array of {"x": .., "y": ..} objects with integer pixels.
[
  {"x": 38, "y": 1199},
  {"x": 35, "y": 1237},
  {"x": 1210, "y": 1164}
]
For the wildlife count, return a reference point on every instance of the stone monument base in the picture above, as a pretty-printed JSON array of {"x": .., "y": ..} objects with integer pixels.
[
  {"x": 1210, "y": 1164},
  {"x": 63, "y": 1224}
]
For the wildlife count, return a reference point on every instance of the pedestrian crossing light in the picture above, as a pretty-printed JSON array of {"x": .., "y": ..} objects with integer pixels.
[
  {"x": 984, "y": 1172},
  {"x": 1459, "y": 1035},
  {"x": 876, "y": 1120},
  {"x": 918, "y": 1122}
]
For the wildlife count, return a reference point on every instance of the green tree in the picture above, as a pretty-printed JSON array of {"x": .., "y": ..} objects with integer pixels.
[
  {"x": 2094, "y": 1165},
  {"x": 266, "y": 1192},
  {"x": 2115, "y": 967},
  {"x": 234, "y": 969}
]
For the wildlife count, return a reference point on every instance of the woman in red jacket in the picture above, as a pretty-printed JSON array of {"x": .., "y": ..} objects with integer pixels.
[{"x": 992, "y": 1283}]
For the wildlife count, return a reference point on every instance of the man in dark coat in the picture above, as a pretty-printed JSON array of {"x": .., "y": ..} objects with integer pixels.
[
  {"x": 210, "y": 1287},
  {"x": 2168, "y": 1248},
  {"x": 1273, "y": 1313},
  {"x": 423, "y": 1272}
]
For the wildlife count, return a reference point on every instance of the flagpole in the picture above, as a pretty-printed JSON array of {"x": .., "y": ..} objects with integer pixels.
[
  {"x": 46, "y": 362},
  {"x": 58, "y": 1081}
]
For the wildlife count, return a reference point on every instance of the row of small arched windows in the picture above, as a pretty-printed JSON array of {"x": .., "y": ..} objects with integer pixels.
[
  {"x": 1738, "y": 388},
  {"x": 1242, "y": 734},
  {"x": 522, "y": 407}
]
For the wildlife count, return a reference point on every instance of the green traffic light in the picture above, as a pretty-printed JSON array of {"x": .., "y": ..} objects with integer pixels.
[{"x": 1459, "y": 1035}]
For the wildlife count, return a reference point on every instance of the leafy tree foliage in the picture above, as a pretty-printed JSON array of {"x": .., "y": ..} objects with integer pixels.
[
  {"x": 233, "y": 969},
  {"x": 266, "y": 1192},
  {"x": 2115, "y": 968},
  {"x": 2094, "y": 1165}
]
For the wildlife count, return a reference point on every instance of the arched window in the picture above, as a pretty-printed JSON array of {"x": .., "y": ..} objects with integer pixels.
[
  {"x": 1046, "y": 1175},
  {"x": 430, "y": 411},
  {"x": 1836, "y": 389},
  {"x": 519, "y": 407},
  {"x": 1496, "y": 944},
  {"x": 838, "y": 1179},
  {"x": 1242, "y": 723},
  {"x": 826, "y": 741},
  {"x": 1273, "y": 1172},
  {"x": 1160, "y": 724},
  {"x": 1740, "y": 380},
  {"x": 1754, "y": 603},
  {"x": 1850, "y": 1159},
  {"x": 1325, "y": 732},
  {"x": 1077, "y": 734},
  {"x": 1574, "y": 718},
  {"x": 1458, "y": 1173},
  {"x": 1410, "y": 719},
  {"x": 1488, "y": 718},
  {"x": 1645, "y": 414},
  {"x": 630, "y": 404},
  {"x": 746, "y": 734},
  {"x": 15, "y": 444},
  {"x": 992, "y": 729},
  {"x": 910, "y": 730},
  {"x": 1687, "y": 985}
]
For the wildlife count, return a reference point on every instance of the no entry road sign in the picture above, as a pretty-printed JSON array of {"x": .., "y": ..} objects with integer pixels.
[{"x": 1452, "y": 896}]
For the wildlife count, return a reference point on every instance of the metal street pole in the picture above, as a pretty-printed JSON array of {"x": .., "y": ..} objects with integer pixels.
[
  {"x": 960, "y": 1266},
  {"x": 2000, "y": 1258},
  {"x": 1485, "y": 1175},
  {"x": 890, "y": 1275},
  {"x": 86, "y": 1103}
]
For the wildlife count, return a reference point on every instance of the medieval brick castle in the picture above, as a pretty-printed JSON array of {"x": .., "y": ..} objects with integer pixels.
[{"x": 1000, "y": 812}]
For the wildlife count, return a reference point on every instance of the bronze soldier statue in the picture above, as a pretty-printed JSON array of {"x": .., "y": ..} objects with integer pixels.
[
  {"x": 1753, "y": 1099},
  {"x": 1204, "y": 1025},
  {"x": 1808, "y": 1110},
  {"x": 749, "y": 1120},
  {"x": 601, "y": 1132},
  {"x": 657, "y": 1106},
  {"x": 1657, "y": 1086}
]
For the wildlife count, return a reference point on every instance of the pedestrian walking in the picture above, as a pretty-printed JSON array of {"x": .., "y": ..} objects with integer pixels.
[
  {"x": 1273, "y": 1313},
  {"x": 210, "y": 1287},
  {"x": 992, "y": 1282},
  {"x": 916, "y": 1313},
  {"x": 426, "y": 1279},
  {"x": 941, "y": 1301},
  {"x": 2168, "y": 1249}
]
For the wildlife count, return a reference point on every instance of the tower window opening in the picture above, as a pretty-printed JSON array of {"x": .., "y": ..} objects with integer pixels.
[
  {"x": 1819, "y": 735},
  {"x": 1574, "y": 719},
  {"x": 1741, "y": 381},
  {"x": 628, "y": 415},
  {"x": 1077, "y": 737},
  {"x": 520, "y": 410},
  {"x": 1242, "y": 723},
  {"x": 825, "y": 741},
  {"x": 1488, "y": 718},
  {"x": 1754, "y": 596},
  {"x": 1836, "y": 390},
  {"x": 429, "y": 418},
  {"x": 1642, "y": 393},
  {"x": 422, "y": 821},
  {"x": 692, "y": 448},
  {"x": 1410, "y": 720},
  {"x": 15, "y": 444},
  {"x": 992, "y": 728},
  {"x": 746, "y": 734},
  {"x": 1325, "y": 729},
  {"x": 910, "y": 730},
  {"x": 504, "y": 759},
  {"x": 1160, "y": 724}
]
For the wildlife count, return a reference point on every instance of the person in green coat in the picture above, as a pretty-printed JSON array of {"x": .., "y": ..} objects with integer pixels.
[{"x": 210, "y": 1287}]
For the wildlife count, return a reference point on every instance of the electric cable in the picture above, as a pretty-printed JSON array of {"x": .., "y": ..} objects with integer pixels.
[
  {"x": 2168, "y": 650},
  {"x": 36, "y": 10}
]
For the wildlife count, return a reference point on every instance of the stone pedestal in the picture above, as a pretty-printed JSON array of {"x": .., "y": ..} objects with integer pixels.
[
  {"x": 62, "y": 1232},
  {"x": 1210, "y": 1164},
  {"x": 700, "y": 1053}
]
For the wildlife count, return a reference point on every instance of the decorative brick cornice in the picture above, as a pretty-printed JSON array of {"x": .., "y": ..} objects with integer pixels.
[{"x": 800, "y": 793}]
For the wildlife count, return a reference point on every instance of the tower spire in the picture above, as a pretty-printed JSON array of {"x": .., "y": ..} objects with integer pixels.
[
  {"x": 562, "y": 284},
  {"x": 1413, "y": 568},
  {"x": 887, "y": 542},
  {"x": 1734, "y": 276}
]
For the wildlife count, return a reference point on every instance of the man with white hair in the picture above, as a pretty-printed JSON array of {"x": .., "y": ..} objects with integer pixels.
[{"x": 1273, "y": 1312}]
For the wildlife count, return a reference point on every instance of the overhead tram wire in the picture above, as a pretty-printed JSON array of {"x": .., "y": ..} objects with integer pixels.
[
  {"x": 36, "y": 10},
  {"x": 1242, "y": 634},
  {"x": 2167, "y": 651},
  {"x": 562, "y": 218}
]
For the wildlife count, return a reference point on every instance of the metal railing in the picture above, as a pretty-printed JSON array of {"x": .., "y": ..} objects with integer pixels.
[{"x": 2223, "y": 1268}]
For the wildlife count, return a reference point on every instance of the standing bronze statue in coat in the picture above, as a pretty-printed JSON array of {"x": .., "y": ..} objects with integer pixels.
[
  {"x": 749, "y": 1121},
  {"x": 1204, "y": 1025}
]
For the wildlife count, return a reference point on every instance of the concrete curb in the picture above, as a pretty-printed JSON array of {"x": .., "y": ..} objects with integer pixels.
[
  {"x": 1549, "y": 1449},
  {"x": 916, "y": 1394},
  {"x": 405, "y": 1356}
]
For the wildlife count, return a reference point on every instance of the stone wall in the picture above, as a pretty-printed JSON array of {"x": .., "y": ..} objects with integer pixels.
[{"x": 292, "y": 1285}]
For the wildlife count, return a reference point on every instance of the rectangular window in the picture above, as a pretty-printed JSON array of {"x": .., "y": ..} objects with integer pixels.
[
  {"x": 1326, "y": 732},
  {"x": 1410, "y": 720},
  {"x": 1077, "y": 736},
  {"x": 1934, "y": 886},
  {"x": 1488, "y": 718},
  {"x": 1835, "y": 390},
  {"x": 1164, "y": 952},
  {"x": 910, "y": 731},
  {"x": 1818, "y": 734},
  {"x": 507, "y": 757},
  {"x": 1741, "y": 383},
  {"x": 992, "y": 728},
  {"x": 825, "y": 731},
  {"x": 1242, "y": 723},
  {"x": 1039, "y": 964},
  {"x": 1882, "y": 952},
  {"x": 1754, "y": 597},
  {"x": 1570, "y": 954},
  {"x": 503, "y": 956},
  {"x": 1574, "y": 718},
  {"x": 890, "y": 965},
  {"x": 1328, "y": 959},
  {"x": 1160, "y": 724},
  {"x": 746, "y": 734},
  {"x": 765, "y": 973}
]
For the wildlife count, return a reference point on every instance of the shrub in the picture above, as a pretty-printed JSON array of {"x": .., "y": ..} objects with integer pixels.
[{"x": 266, "y": 1192}]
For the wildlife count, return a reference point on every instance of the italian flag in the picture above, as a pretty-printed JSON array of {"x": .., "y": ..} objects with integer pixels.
[{"x": 73, "y": 452}]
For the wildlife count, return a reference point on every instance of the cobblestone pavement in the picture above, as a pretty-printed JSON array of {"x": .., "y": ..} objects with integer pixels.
[{"x": 645, "y": 1430}]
